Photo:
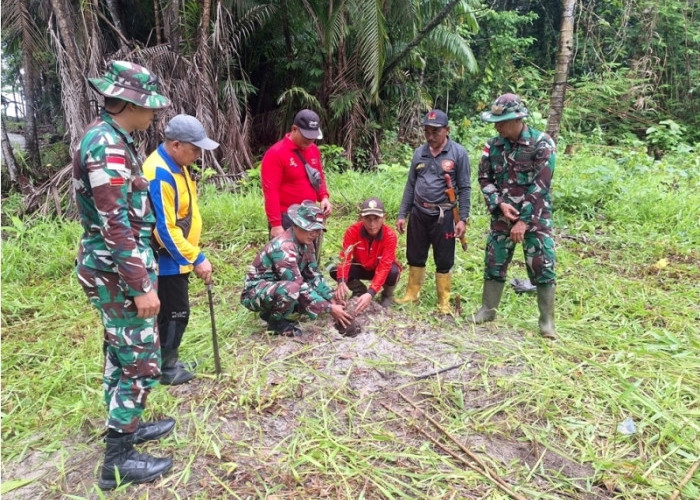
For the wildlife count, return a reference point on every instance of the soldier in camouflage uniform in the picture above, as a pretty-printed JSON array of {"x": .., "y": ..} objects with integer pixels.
[
  {"x": 515, "y": 174},
  {"x": 284, "y": 278},
  {"x": 116, "y": 266}
]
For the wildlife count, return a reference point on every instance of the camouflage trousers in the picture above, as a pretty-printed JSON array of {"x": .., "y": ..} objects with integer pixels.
[
  {"x": 538, "y": 248},
  {"x": 131, "y": 348},
  {"x": 282, "y": 299}
]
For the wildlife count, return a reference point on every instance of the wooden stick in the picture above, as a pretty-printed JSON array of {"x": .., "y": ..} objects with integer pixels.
[
  {"x": 428, "y": 375},
  {"x": 487, "y": 470},
  {"x": 440, "y": 445},
  {"x": 686, "y": 478}
]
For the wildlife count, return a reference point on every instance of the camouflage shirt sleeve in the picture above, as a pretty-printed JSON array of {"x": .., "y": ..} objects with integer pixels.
[
  {"x": 119, "y": 194},
  {"x": 487, "y": 181}
]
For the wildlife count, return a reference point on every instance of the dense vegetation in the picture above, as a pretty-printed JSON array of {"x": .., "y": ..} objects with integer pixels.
[
  {"x": 315, "y": 419},
  {"x": 245, "y": 67}
]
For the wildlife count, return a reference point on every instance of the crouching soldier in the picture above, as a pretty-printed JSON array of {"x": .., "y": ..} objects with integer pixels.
[
  {"x": 369, "y": 253},
  {"x": 284, "y": 278}
]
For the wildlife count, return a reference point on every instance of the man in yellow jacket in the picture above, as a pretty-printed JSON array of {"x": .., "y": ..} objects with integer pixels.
[{"x": 173, "y": 195}]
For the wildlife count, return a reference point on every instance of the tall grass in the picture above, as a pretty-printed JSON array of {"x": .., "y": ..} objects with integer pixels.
[{"x": 627, "y": 313}]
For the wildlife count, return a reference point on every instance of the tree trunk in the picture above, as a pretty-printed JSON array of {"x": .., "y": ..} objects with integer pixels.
[
  {"x": 116, "y": 19},
  {"x": 71, "y": 68},
  {"x": 8, "y": 155},
  {"x": 171, "y": 21},
  {"x": 561, "y": 73},
  {"x": 156, "y": 15},
  {"x": 31, "y": 134},
  {"x": 206, "y": 21}
]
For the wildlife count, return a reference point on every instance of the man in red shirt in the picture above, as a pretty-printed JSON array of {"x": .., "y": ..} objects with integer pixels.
[
  {"x": 292, "y": 172},
  {"x": 369, "y": 253}
]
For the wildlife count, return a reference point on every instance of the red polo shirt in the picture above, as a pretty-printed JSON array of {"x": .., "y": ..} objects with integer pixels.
[{"x": 284, "y": 179}]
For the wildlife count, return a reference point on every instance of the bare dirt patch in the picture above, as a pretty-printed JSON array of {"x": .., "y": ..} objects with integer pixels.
[{"x": 325, "y": 401}]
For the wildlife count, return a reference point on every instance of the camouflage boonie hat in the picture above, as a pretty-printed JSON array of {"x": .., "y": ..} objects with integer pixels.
[
  {"x": 307, "y": 216},
  {"x": 130, "y": 82},
  {"x": 506, "y": 107}
]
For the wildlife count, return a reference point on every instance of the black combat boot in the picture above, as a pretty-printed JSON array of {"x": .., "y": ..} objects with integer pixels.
[
  {"x": 284, "y": 327},
  {"x": 151, "y": 431},
  {"x": 132, "y": 467}
]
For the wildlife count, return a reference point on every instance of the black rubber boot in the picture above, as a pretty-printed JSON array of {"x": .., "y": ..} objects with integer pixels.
[
  {"x": 387, "y": 296},
  {"x": 172, "y": 371},
  {"x": 357, "y": 288},
  {"x": 151, "y": 431},
  {"x": 131, "y": 466}
]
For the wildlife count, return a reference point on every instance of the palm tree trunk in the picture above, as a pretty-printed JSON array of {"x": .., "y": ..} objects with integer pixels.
[
  {"x": 8, "y": 155},
  {"x": 30, "y": 95},
  {"x": 116, "y": 19},
  {"x": 71, "y": 67},
  {"x": 561, "y": 73}
]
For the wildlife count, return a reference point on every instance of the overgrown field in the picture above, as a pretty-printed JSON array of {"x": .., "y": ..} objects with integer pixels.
[{"x": 334, "y": 417}]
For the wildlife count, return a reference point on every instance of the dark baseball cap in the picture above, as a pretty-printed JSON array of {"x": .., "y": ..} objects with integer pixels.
[
  {"x": 309, "y": 124},
  {"x": 435, "y": 118},
  {"x": 372, "y": 206},
  {"x": 186, "y": 128}
]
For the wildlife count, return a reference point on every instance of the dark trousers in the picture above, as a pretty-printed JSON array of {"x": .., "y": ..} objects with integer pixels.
[
  {"x": 173, "y": 292},
  {"x": 358, "y": 272},
  {"x": 424, "y": 231}
]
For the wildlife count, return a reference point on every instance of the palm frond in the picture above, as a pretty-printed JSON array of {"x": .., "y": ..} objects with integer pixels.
[
  {"x": 371, "y": 42},
  {"x": 452, "y": 45},
  {"x": 18, "y": 22}
]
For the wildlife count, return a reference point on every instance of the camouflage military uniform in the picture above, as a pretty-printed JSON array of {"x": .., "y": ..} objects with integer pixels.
[
  {"x": 115, "y": 263},
  {"x": 284, "y": 279},
  {"x": 520, "y": 175}
]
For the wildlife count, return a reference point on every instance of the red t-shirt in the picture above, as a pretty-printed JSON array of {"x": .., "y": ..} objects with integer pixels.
[
  {"x": 376, "y": 254},
  {"x": 284, "y": 178}
]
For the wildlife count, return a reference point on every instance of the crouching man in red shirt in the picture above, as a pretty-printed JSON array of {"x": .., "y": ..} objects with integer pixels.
[{"x": 369, "y": 253}]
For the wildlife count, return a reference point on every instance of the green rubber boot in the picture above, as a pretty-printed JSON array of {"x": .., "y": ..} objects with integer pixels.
[
  {"x": 545, "y": 303},
  {"x": 490, "y": 299}
]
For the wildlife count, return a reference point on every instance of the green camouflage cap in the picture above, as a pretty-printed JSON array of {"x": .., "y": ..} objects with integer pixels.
[
  {"x": 307, "y": 215},
  {"x": 506, "y": 107},
  {"x": 130, "y": 82}
]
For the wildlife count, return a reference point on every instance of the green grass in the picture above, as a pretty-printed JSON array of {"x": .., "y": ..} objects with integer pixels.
[{"x": 322, "y": 418}]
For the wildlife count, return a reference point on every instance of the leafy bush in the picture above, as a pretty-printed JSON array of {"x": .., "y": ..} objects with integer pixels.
[
  {"x": 334, "y": 158},
  {"x": 667, "y": 136}
]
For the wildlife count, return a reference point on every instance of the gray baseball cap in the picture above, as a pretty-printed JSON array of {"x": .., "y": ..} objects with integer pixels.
[{"x": 187, "y": 128}]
